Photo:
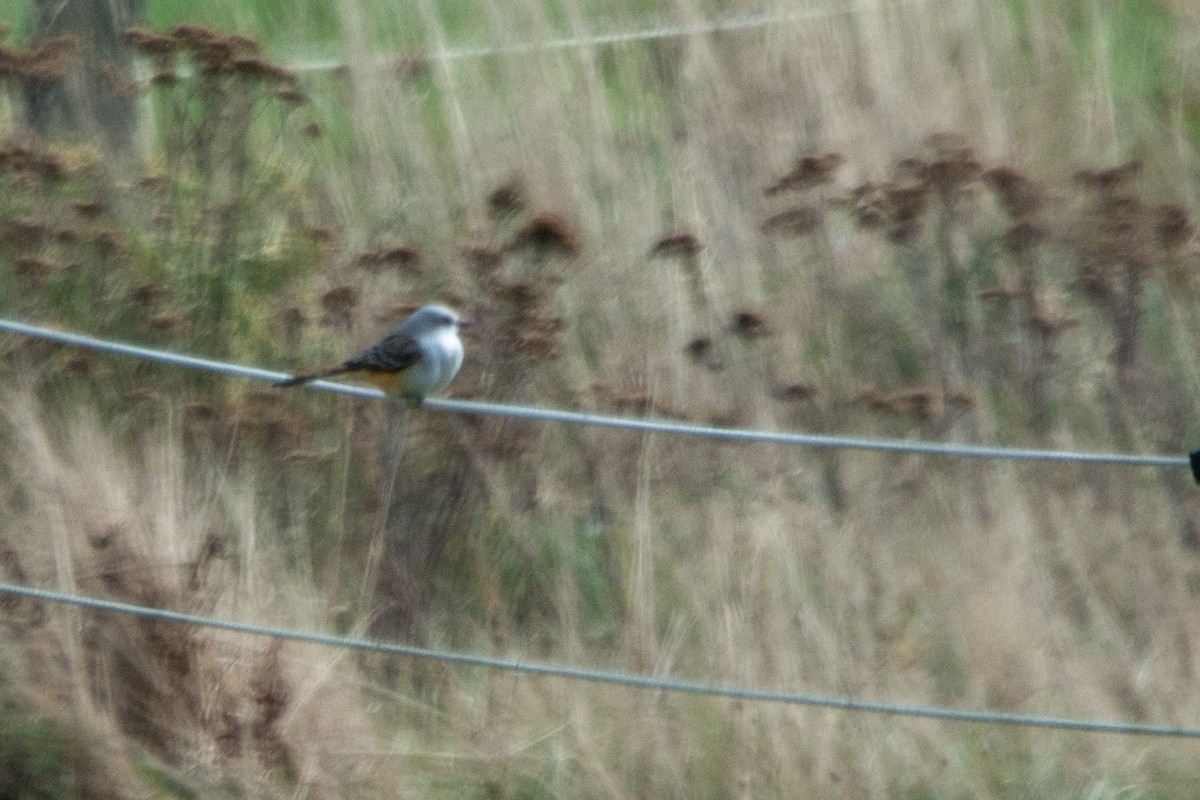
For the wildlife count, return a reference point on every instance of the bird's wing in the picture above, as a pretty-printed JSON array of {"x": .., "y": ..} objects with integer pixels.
[{"x": 395, "y": 352}]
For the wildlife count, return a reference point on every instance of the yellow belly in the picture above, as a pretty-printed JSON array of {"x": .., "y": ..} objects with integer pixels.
[{"x": 394, "y": 383}]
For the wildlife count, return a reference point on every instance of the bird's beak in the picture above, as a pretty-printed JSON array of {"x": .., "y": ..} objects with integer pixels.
[{"x": 464, "y": 323}]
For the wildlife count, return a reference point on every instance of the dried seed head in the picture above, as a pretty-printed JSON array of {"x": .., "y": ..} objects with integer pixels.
[
  {"x": 906, "y": 206},
  {"x": 340, "y": 299},
  {"x": 259, "y": 69},
  {"x": 808, "y": 171},
  {"x": 407, "y": 67},
  {"x": 1172, "y": 226},
  {"x": 36, "y": 269},
  {"x": 27, "y": 232},
  {"x": 1095, "y": 279},
  {"x": 121, "y": 83},
  {"x": 291, "y": 96},
  {"x": 12, "y": 62},
  {"x": 164, "y": 76},
  {"x": 79, "y": 364},
  {"x": 66, "y": 235},
  {"x": 89, "y": 209},
  {"x": 750, "y": 325},
  {"x": 251, "y": 67},
  {"x": 107, "y": 242},
  {"x": 677, "y": 243},
  {"x": 1024, "y": 236},
  {"x": 546, "y": 232},
  {"x": 149, "y": 43},
  {"x": 895, "y": 208},
  {"x": 146, "y": 295},
  {"x": 944, "y": 143},
  {"x": 1107, "y": 181},
  {"x": 524, "y": 296},
  {"x": 293, "y": 319},
  {"x": 796, "y": 221},
  {"x": 795, "y": 392},
  {"x": 868, "y": 205},
  {"x": 700, "y": 349},
  {"x": 246, "y": 45},
  {"x": 483, "y": 260},
  {"x": 153, "y": 183},
  {"x": 168, "y": 323},
  {"x": 318, "y": 234},
  {"x": 508, "y": 198},
  {"x": 213, "y": 55},
  {"x": 38, "y": 164},
  {"x": 919, "y": 402},
  {"x": 401, "y": 256},
  {"x": 52, "y": 58},
  {"x": 962, "y": 397},
  {"x": 191, "y": 35},
  {"x": 912, "y": 169},
  {"x": 955, "y": 169},
  {"x": 1121, "y": 231},
  {"x": 908, "y": 202},
  {"x": 1019, "y": 195}
]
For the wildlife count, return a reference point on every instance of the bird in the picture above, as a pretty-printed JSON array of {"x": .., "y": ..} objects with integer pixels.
[{"x": 419, "y": 358}]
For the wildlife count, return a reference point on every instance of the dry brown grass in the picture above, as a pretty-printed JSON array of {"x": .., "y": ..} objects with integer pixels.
[
  {"x": 753, "y": 228},
  {"x": 150, "y": 526}
]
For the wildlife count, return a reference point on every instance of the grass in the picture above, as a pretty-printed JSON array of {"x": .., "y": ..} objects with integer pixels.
[{"x": 651, "y": 228}]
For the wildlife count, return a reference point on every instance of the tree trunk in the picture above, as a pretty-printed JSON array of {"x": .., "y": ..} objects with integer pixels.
[{"x": 97, "y": 100}]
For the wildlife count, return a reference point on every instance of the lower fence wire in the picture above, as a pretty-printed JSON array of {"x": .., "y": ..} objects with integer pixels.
[{"x": 633, "y": 681}]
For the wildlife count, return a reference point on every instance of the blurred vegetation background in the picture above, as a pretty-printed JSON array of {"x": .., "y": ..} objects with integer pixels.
[{"x": 957, "y": 221}]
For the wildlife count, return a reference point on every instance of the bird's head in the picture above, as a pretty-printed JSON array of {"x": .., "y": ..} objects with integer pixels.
[{"x": 434, "y": 316}]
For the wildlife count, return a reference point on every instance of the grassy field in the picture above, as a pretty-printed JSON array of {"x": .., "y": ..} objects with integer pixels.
[{"x": 955, "y": 221}]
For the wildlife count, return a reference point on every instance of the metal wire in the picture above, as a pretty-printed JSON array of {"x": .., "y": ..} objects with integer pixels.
[
  {"x": 604, "y": 421},
  {"x": 665, "y": 31},
  {"x": 629, "y": 680}
]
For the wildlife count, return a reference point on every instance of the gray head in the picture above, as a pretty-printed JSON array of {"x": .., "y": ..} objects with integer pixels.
[{"x": 433, "y": 317}]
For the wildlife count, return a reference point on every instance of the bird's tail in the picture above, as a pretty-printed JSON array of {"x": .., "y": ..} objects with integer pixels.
[{"x": 300, "y": 380}]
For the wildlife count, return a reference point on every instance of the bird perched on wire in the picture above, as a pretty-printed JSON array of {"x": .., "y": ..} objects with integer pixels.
[{"x": 419, "y": 358}]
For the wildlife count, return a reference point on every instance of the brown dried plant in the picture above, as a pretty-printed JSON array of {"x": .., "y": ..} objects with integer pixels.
[
  {"x": 1019, "y": 195},
  {"x": 401, "y": 257},
  {"x": 1023, "y": 291},
  {"x": 897, "y": 209},
  {"x": 507, "y": 199},
  {"x": 678, "y": 243},
  {"x": 546, "y": 233},
  {"x": 1117, "y": 246},
  {"x": 808, "y": 171},
  {"x": 796, "y": 221},
  {"x": 50, "y": 60}
]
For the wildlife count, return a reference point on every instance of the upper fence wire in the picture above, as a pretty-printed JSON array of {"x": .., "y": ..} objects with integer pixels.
[{"x": 662, "y": 426}]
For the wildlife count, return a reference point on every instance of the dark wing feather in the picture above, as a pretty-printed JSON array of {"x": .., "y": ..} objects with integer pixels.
[{"x": 394, "y": 352}]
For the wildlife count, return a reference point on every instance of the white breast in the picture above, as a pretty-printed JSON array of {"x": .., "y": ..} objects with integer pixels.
[{"x": 441, "y": 357}]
